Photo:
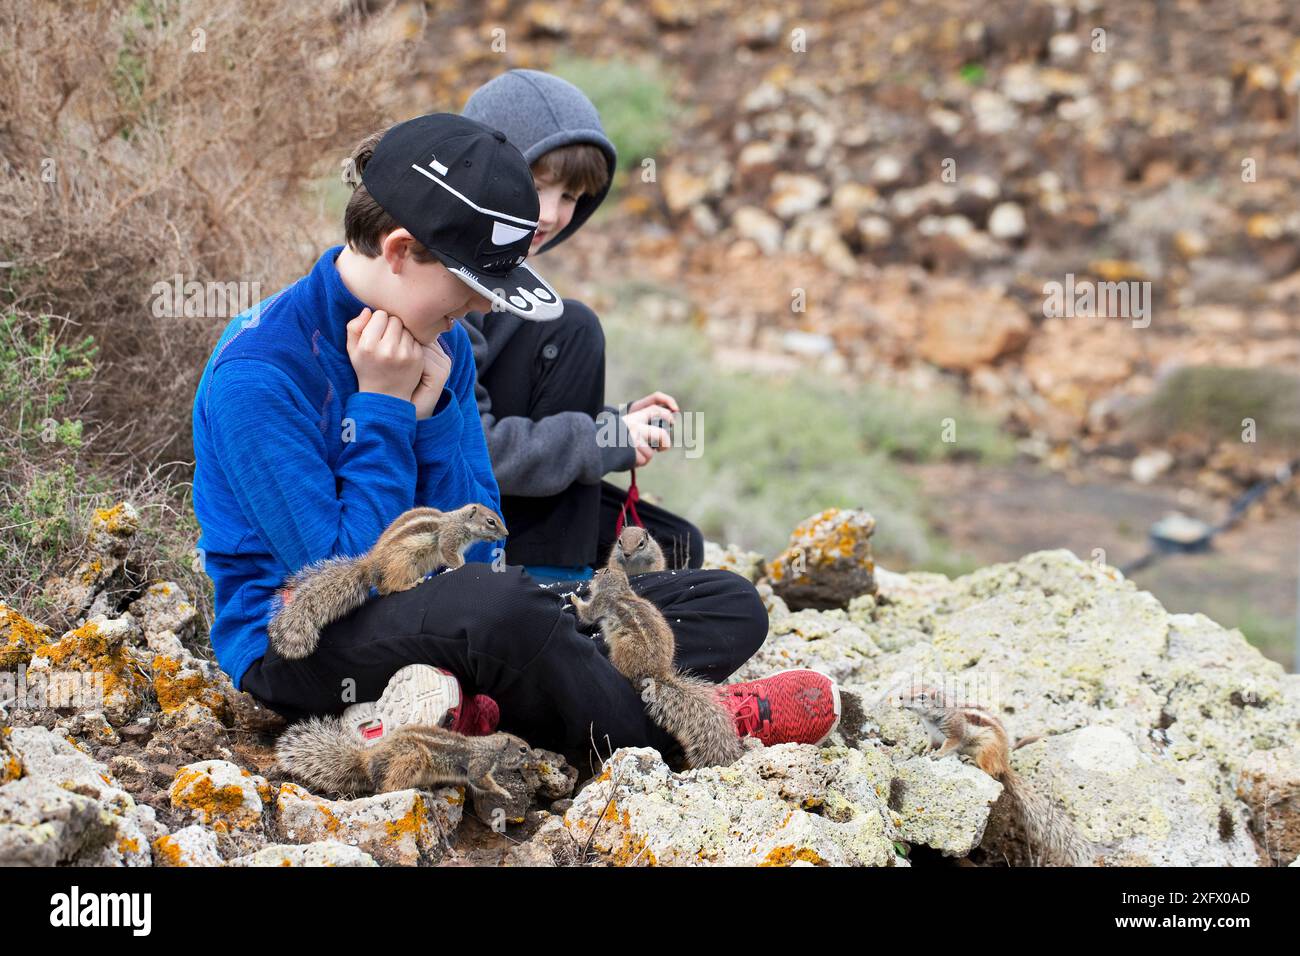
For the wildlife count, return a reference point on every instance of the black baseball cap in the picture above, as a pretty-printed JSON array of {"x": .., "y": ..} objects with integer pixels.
[{"x": 468, "y": 197}]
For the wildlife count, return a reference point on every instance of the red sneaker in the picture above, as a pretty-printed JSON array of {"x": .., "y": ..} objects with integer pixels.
[
  {"x": 796, "y": 706},
  {"x": 422, "y": 694},
  {"x": 476, "y": 717}
]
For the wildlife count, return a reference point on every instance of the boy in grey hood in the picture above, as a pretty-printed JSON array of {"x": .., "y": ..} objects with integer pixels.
[{"x": 541, "y": 384}]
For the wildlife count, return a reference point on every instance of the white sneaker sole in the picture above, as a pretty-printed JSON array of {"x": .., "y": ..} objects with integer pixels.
[{"x": 416, "y": 694}]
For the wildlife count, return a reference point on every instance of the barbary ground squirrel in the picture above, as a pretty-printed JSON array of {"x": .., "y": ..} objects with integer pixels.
[
  {"x": 635, "y": 552},
  {"x": 417, "y": 542},
  {"x": 319, "y": 752},
  {"x": 980, "y": 735},
  {"x": 641, "y": 647}
]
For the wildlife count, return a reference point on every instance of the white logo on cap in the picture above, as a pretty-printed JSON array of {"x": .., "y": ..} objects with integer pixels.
[{"x": 504, "y": 234}]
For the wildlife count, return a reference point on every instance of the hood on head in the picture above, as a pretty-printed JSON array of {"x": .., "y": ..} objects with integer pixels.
[{"x": 539, "y": 112}]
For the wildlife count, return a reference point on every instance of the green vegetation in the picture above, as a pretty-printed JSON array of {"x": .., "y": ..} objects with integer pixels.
[
  {"x": 767, "y": 453},
  {"x": 1213, "y": 401},
  {"x": 635, "y": 105}
]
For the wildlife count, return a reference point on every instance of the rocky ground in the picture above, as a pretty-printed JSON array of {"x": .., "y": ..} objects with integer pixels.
[
  {"x": 1165, "y": 739},
  {"x": 918, "y": 174}
]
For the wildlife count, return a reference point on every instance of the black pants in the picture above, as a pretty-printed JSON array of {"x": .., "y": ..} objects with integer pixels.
[
  {"x": 552, "y": 367},
  {"x": 504, "y": 636}
]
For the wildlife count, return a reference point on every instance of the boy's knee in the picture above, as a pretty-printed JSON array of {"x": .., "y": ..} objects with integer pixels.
[
  {"x": 513, "y": 617},
  {"x": 740, "y": 600}
]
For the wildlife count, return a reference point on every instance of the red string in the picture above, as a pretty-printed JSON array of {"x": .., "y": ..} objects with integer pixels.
[{"x": 629, "y": 505}]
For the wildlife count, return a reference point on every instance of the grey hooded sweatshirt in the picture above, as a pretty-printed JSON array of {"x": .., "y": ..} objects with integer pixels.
[{"x": 538, "y": 113}]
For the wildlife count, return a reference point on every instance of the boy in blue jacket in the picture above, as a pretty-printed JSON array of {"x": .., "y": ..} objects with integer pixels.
[{"x": 348, "y": 398}]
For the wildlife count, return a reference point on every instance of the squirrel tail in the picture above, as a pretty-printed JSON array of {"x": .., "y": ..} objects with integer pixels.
[
  {"x": 689, "y": 709},
  {"x": 1052, "y": 835},
  {"x": 318, "y": 595},
  {"x": 320, "y": 753}
]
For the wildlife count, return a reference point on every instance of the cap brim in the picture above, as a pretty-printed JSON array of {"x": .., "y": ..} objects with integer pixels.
[{"x": 522, "y": 292}]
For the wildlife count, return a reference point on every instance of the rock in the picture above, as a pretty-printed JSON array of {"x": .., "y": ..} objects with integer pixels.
[
  {"x": 994, "y": 115},
  {"x": 1269, "y": 783},
  {"x": 886, "y": 170},
  {"x": 321, "y": 853},
  {"x": 773, "y": 807},
  {"x": 545, "y": 774},
  {"x": 682, "y": 188},
  {"x": 399, "y": 828},
  {"x": 220, "y": 795},
  {"x": 104, "y": 569},
  {"x": 828, "y": 561},
  {"x": 184, "y": 682},
  {"x": 748, "y": 564},
  {"x": 193, "y": 845},
  {"x": 794, "y": 194},
  {"x": 1007, "y": 221},
  {"x": 752, "y": 223},
  {"x": 943, "y": 804},
  {"x": 121, "y": 829},
  {"x": 825, "y": 641},
  {"x": 166, "y": 616},
  {"x": 99, "y": 653},
  {"x": 963, "y": 328},
  {"x": 1138, "y": 808},
  {"x": 1150, "y": 466},
  {"x": 19, "y": 638},
  {"x": 42, "y": 824}
]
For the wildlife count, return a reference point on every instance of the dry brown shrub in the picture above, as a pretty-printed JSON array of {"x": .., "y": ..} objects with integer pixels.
[{"x": 143, "y": 140}]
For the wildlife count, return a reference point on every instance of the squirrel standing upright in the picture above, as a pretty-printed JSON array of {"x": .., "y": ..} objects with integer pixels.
[
  {"x": 635, "y": 552},
  {"x": 417, "y": 542},
  {"x": 319, "y": 752},
  {"x": 641, "y": 647},
  {"x": 980, "y": 735}
]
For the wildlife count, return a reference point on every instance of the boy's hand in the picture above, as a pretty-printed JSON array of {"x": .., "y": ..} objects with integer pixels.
[
  {"x": 642, "y": 421},
  {"x": 433, "y": 377},
  {"x": 384, "y": 355}
]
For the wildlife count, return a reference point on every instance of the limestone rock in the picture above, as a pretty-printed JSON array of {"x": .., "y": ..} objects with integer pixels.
[
  {"x": 193, "y": 845},
  {"x": 118, "y": 831},
  {"x": 965, "y": 328},
  {"x": 399, "y": 828},
  {"x": 220, "y": 795},
  {"x": 99, "y": 652},
  {"x": 748, "y": 564},
  {"x": 82, "y": 592},
  {"x": 1270, "y": 785},
  {"x": 773, "y": 807},
  {"x": 943, "y": 804},
  {"x": 320, "y": 853},
  {"x": 828, "y": 561}
]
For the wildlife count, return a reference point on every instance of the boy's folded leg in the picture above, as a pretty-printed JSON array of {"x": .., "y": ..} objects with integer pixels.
[{"x": 500, "y": 635}]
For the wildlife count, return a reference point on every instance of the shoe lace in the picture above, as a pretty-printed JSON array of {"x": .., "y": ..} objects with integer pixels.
[{"x": 747, "y": 715}]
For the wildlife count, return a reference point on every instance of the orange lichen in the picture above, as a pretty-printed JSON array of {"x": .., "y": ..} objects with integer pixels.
[
  {"x": 411, "y": 823},
  {"x": 785, "y": 855},
  {"x": 194, "y": 790},
  {"x": 177, "y": 692},
  {"x": 169, "y": 850},
  {"x": 127, "y": 845}
]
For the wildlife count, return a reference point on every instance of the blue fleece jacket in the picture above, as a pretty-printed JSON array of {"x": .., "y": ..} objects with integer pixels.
[{"x": 293, "y": 464}]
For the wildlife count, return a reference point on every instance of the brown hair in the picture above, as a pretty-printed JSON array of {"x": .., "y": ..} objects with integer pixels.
[
  {"x": 365, "y": 222},
  {"x": 580, "y": 167}
]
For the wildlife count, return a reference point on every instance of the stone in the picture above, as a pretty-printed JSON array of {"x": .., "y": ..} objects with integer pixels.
[
  {"x": 748, "y": 564},
  {"x": 399, "y": 828},
  {"x": 320, "y": 853},
  {"x": 774, "y": 807},
  {"x": 1269, "y": 783},
  {"x": 193, "y": 845},
  {"x": 104, "y": 569},
  {"x": 19, "y": 638},
  {"x": 220, "y": 795},
  {"x": 119, "y": 834},
  {"x": 754, "y": 224},
  {"x": 943, "y": 804},
  {"x": 794, "y": 194},
  {"x": 828, "y": 561},
  {"x": 1007, "y": 221},
  {"x": 1148, "y": 467},
  {"x": 963, "y": 328},
  {"x": 98, "y": 651}
]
